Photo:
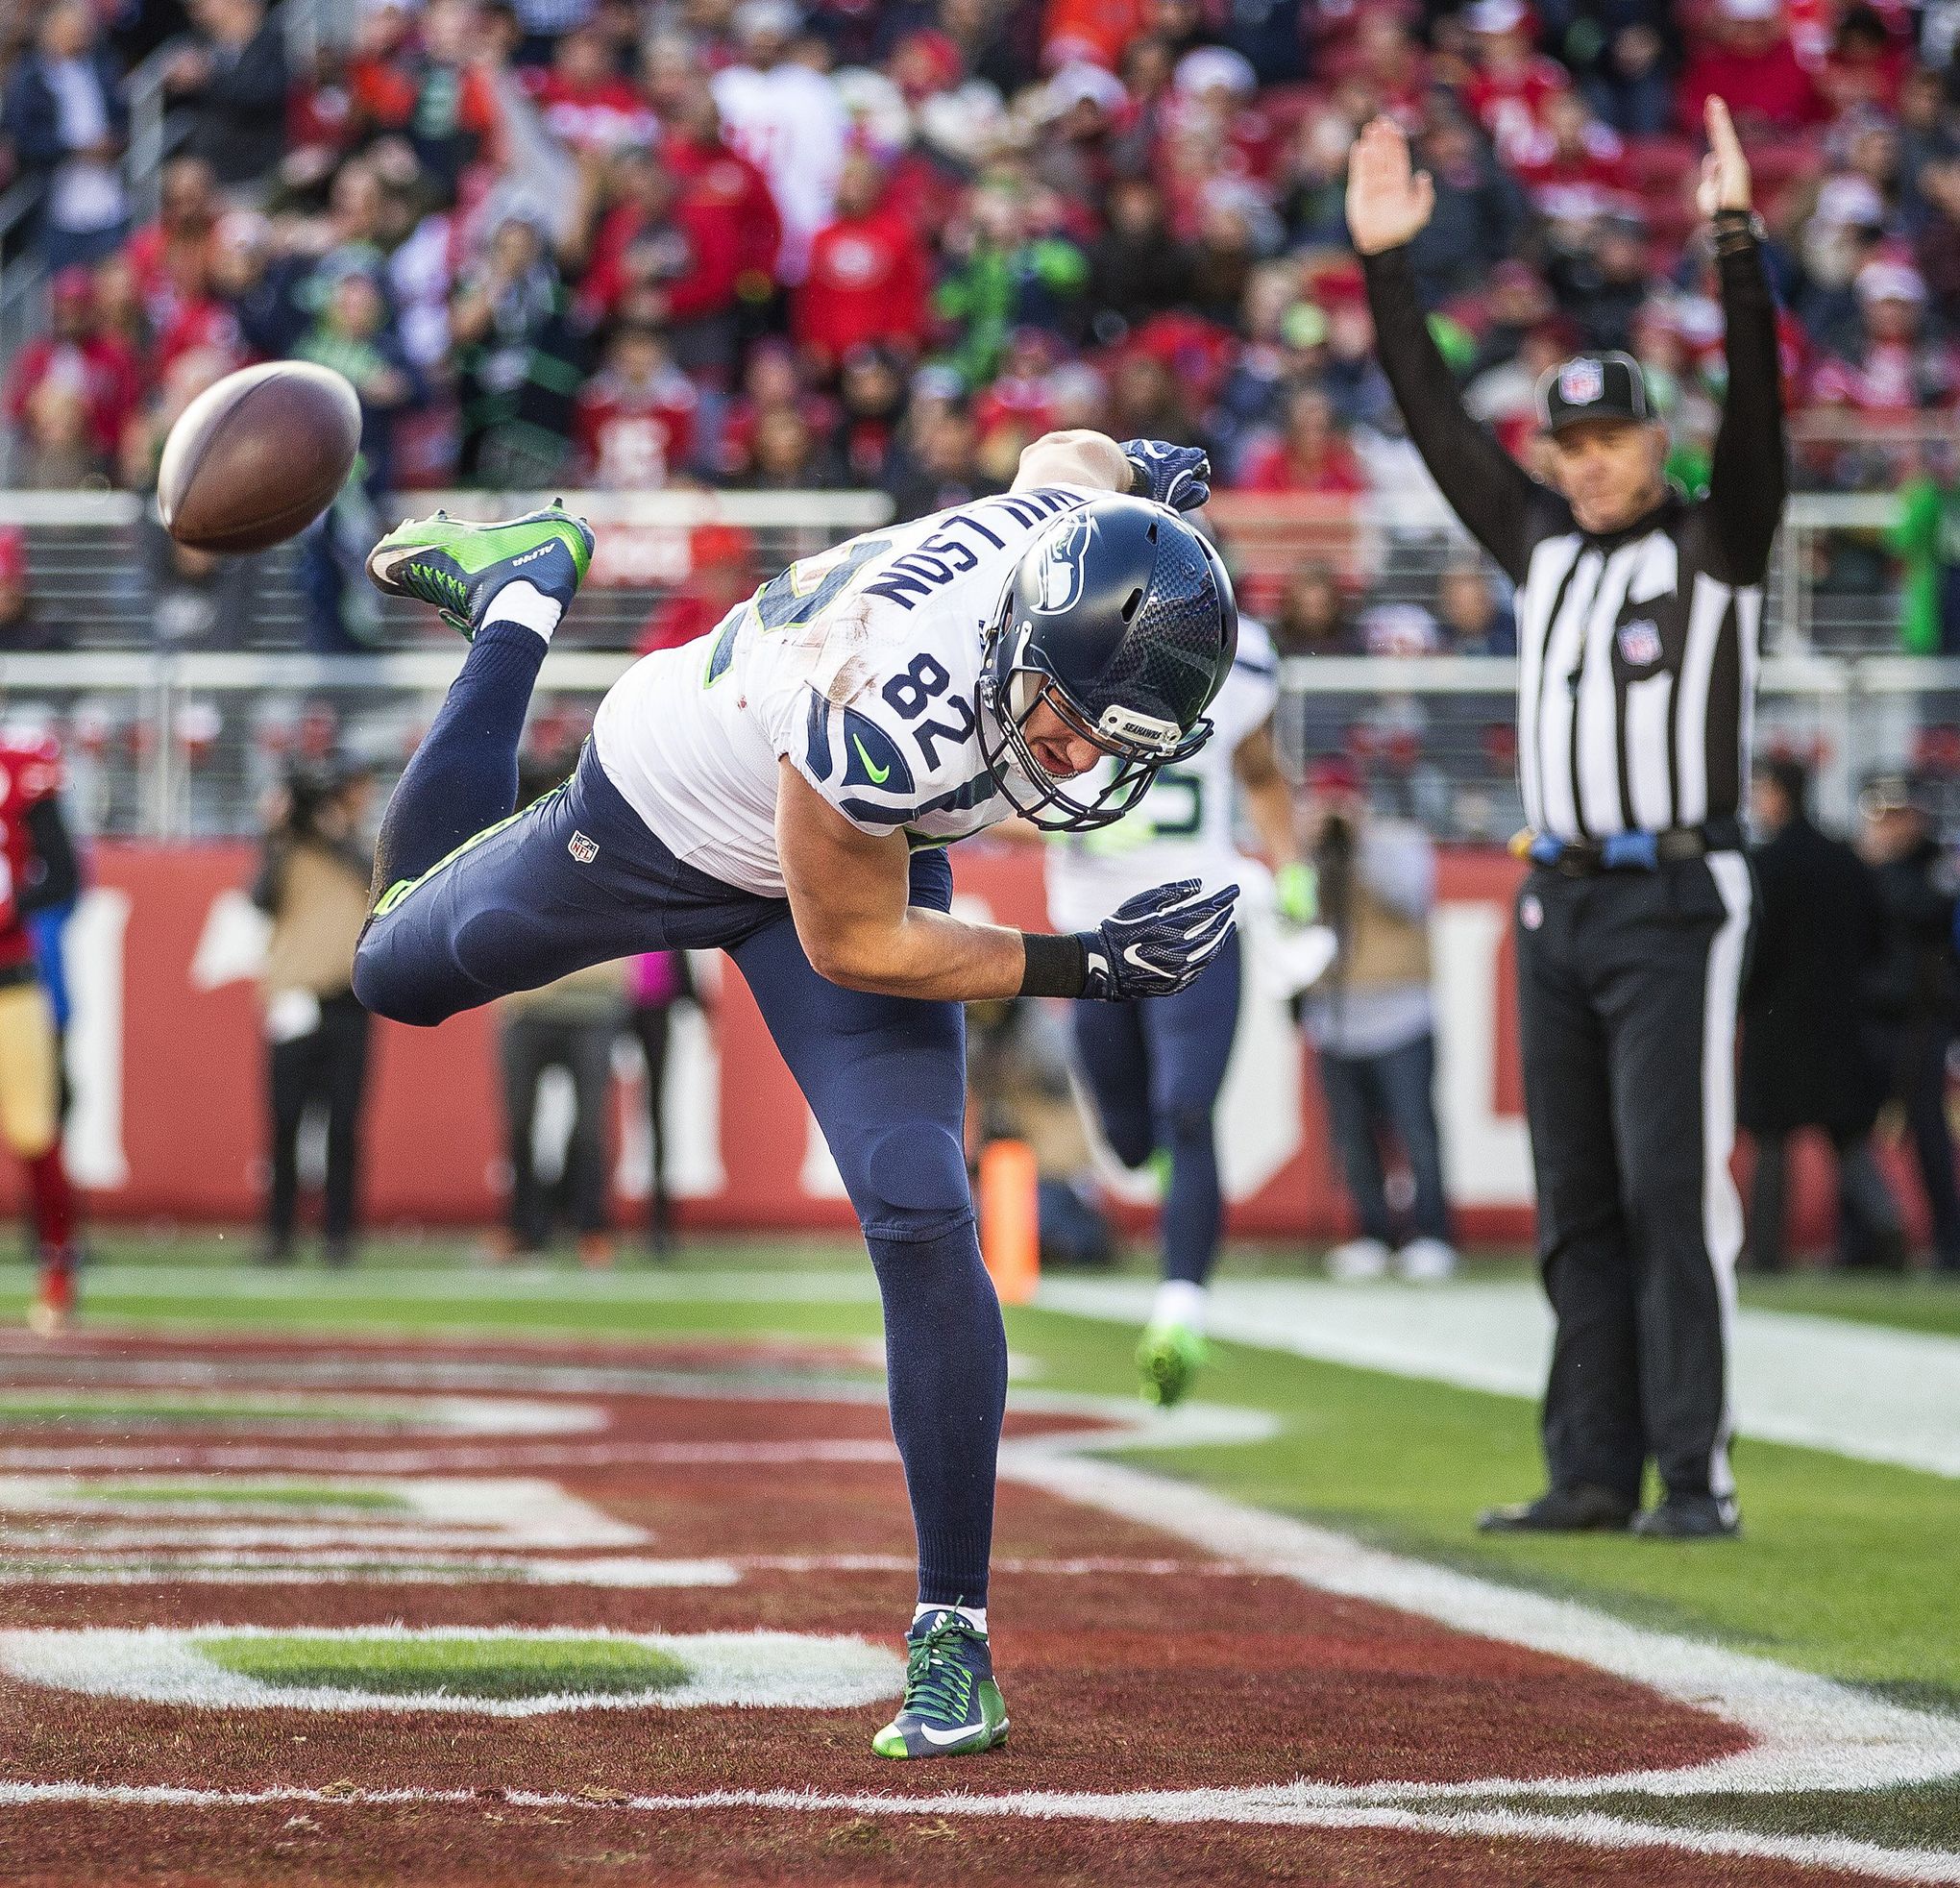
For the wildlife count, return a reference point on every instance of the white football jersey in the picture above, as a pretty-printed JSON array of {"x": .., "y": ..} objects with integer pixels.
[
  {"x": 1182, "y": 826},
  {"x": 860, "y": 665}
]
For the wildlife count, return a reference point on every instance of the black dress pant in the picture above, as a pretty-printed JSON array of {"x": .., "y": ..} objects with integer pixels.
[
  {"x": 1869, "y": 1230},
  {"x": 530, "y": 1044},
  {"x": 327, "y": 1067},
  {"x": 1626, "y": 984},
  {"x": 653, "y": 1024}
]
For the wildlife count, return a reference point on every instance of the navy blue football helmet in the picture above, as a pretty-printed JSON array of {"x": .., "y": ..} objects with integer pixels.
[{"x": 1121, "y": 617}]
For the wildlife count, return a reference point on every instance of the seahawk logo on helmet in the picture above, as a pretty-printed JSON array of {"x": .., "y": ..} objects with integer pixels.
[
  {"x": 1121, "y": 618},
  {"x": 1058, "y": 578}
]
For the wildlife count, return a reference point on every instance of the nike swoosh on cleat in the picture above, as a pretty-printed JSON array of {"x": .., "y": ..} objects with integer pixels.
[
  {"x": 943, "y": 1739},
  {"x": 879, "y": 775}
]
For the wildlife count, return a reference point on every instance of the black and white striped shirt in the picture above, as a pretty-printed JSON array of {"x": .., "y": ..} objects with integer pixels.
[{"x": 1637, "y": 649}]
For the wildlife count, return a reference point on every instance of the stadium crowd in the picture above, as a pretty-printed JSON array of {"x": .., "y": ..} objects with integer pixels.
[{"x": 617, "y": 243}]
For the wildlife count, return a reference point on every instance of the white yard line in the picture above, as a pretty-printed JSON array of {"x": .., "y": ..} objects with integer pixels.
[
  {"x": 1296, "y": 1807},
  {"x": 1810, "y": 1734},
  {"x": 1856, "y": 1389},
  {"x": 163, "y": 1665},
  {"x": 198, "y": 1284}
]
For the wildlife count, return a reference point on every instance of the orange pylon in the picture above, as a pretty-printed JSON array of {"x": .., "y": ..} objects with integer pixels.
[{"x": 1010, "y": 1219}]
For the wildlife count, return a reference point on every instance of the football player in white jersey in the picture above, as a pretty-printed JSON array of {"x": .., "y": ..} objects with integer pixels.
[
  {"x": 784, "y": 788},
  {"x": 1153, "y": 1070}
]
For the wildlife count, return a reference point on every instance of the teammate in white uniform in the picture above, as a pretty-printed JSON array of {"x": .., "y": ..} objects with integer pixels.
[
  {"x": 783, "y": 788},
  {"x": 1154, "y": 1071}
]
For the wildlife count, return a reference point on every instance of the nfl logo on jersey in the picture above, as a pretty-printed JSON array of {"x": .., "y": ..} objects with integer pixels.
[
  {"x": 1640, "y": 643},
  {"x": 1580, "y": 382},
  {"x": 582, "y": 848}
]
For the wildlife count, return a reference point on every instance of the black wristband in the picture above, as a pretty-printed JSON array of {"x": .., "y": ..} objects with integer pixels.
[
  {"x": 1736, "y": 232},
  {"x": 1056, "y": 966}
]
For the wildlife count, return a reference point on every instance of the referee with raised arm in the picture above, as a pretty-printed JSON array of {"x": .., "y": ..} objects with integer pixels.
[{"x": 1638, "y": 615}]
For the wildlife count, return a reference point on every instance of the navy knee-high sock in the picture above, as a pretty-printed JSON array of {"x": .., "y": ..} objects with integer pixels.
[
  {"x": 1193, "y": 1202},
  {"x": 463, "y": 776},
  {"x": 945, "y": 1363}
]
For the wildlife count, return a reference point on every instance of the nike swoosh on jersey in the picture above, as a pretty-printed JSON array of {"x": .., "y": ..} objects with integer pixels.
[{"x": 879, "y": 775}]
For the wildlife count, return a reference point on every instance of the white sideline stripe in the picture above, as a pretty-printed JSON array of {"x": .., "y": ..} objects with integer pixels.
[
  {"x": 1862, "y": 1391},
  {"x": 165, "y": 1455},
  {"x": 1298, "y": 1806},
  {"x": 315, "y": 1409},
  {"x": 165, "y": 1665},
  {"x": 385, "y": 1570},
  {"x": 389, "y": 1570},
  {"x": 446, "y": 1285},
  {"x": 1810, "y": 1734}
]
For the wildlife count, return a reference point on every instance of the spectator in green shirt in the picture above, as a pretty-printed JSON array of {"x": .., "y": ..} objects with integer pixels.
[{"x": 1928, "y": 539}]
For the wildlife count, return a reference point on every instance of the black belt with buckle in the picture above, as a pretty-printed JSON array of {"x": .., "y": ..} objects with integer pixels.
[{"x": 1636, "y": 852}]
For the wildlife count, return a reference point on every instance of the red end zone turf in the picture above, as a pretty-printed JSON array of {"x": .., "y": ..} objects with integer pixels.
[{"x": 1132, "y": 1661}]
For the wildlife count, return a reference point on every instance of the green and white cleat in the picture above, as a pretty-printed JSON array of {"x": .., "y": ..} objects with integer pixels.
[
  {"x": 458, "y": 567},
  {"x": 951, "y": 1708},
  {"x": 1169, "y": 1357}
]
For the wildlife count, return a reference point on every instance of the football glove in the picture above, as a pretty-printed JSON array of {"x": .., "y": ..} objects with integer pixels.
[
  {"x": 1297, "y": 891},
  {"x": 1177, "y": 475},
  {"x": 1158, "y": 941}
]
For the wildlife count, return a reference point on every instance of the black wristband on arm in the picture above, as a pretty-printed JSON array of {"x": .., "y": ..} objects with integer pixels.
[
  {"x": 1737, "y": 232},
  {"x": 1056, "y": 966}
]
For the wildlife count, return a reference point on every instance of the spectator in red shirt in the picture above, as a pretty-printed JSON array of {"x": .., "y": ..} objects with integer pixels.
[
  {"x": 72, "y": 390},
  {"x": 720, "y": 178},
  {"x": 1095, "y": 30},
  {"x": 173, "y": 256},
  {"x": 665, "y": 256},
  {"x": 1570, "y": 149},
  {"x": 1512, "y": 85},
  {"x": 1310, "y": 456},
  {"x": 634, "y": 426},
  {"x": 720, "y": 574},
  {"x": 1746, "y": 59},
  {"x": 870, "y": 272},
  {"x": 585, "y": 103},
  {"x": 437, "y": 93},
  {"x": 1895, "y": 369},
  {"x": 1867, "y": 64}
]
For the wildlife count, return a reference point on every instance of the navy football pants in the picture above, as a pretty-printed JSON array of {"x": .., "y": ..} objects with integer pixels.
[
  {"x": 1153, "y": 1070},
  {"x": 578, "y": 879}
]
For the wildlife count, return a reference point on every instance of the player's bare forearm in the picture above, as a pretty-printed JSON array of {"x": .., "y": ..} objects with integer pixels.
[
  {"x": 1080, "y": 456},
  {"x": 850, "y": 897},
  {"x": 1268, "y": 799}
]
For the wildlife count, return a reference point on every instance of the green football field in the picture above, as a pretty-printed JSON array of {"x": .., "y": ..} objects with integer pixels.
[{"x": 1846, "y": 1568}]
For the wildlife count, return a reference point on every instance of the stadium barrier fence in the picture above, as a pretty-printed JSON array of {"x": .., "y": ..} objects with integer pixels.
[{"x": 168, "y": 739}]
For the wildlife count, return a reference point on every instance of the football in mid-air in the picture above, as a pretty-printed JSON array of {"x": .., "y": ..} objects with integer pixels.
[{"x": 253, "y": 459}]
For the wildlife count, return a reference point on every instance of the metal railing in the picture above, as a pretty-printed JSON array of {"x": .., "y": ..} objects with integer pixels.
[
  {"x": 1834, "y": 584},
  {"x": 167, "y": 738},
  {"x": 1438, "y": 736},
  {"x": 170, "y": 746}
]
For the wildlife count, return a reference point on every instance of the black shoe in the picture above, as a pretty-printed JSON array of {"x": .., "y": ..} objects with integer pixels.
[
  {"x": 1581, "y": 1510},
  {"x": 1690, "y": 1517}
]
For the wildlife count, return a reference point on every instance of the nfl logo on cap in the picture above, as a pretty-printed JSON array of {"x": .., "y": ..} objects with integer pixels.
[{"x": 1580, "y": 382}]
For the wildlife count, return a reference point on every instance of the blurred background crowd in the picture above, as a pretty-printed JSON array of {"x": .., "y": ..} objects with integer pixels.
[{"x": 881, "y": 243}]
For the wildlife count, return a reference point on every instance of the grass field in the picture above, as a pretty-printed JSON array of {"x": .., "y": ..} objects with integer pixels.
[{"x": 1846, "y": 1568}]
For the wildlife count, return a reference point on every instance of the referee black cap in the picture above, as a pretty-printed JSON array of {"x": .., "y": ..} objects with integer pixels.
[{"x": 1593, "y": 386}]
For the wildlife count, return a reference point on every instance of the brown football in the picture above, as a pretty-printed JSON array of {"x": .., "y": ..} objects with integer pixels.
[{"x": 255, "y": 460}]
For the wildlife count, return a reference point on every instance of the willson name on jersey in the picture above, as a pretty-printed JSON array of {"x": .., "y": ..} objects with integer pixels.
[{"x": 859, "y": 666}]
